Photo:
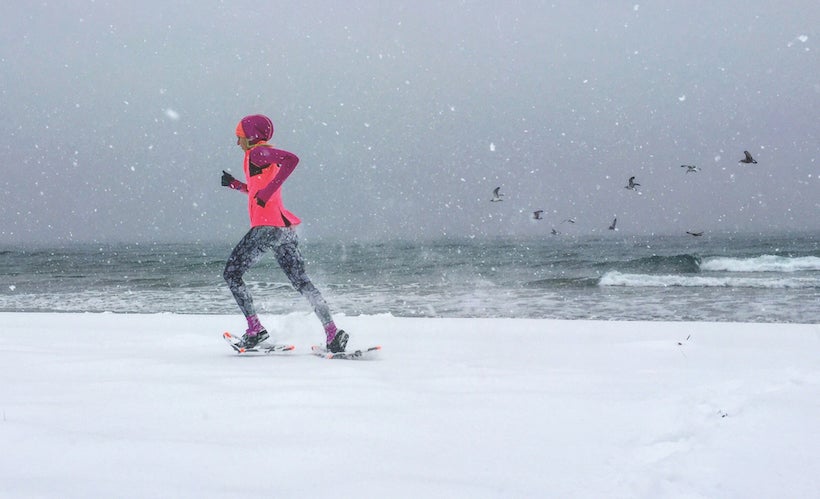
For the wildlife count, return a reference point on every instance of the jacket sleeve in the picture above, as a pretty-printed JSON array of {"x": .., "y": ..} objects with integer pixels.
[
  {"x": 287, "y": 163},
  {"x": 228, "y": 180},
  {"x": 239, "y": 186}
]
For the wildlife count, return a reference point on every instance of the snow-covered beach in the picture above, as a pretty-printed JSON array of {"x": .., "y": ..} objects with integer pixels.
[{"x": 156, "y": 405}]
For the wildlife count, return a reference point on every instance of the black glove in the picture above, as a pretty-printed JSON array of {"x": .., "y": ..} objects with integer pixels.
[{"x": 227, "y": 179}]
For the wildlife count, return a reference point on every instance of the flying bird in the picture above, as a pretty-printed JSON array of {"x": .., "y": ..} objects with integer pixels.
[
  {"x": 612, "y": 226},
  {"x": 568, "y": 220},
  {"x": 690, "y": 168},
  {"x": 748, "y": 159},
  {"x": 696, "y": 234},
  {"x": 554, "y": 232},
  {"x": 537, "y": 214},
  {"x": 497, "y": 195},
  {"x": 632, "y": 184}
]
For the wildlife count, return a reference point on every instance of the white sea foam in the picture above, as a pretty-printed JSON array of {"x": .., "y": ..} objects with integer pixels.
[
  {"x": 650, "y": 281},
  {"x": 764, "y": 263}
]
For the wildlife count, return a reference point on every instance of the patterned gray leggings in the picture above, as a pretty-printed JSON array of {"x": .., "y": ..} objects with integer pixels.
[{"x": 285, "y": 245}]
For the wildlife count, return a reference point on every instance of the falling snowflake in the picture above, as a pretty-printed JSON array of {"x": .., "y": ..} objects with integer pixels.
[{"x": 799, "y": 38}]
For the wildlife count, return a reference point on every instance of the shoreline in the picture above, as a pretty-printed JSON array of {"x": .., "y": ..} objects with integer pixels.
[{"x": 236, "y": 317}]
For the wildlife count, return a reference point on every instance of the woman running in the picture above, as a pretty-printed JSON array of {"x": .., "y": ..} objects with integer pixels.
[{"x": 272, "y": 229}]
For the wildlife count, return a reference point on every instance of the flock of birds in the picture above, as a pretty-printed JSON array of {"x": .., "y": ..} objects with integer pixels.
[{"x": 631, "y": 185}]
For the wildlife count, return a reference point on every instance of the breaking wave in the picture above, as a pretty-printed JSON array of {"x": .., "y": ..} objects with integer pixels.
[
  {"x": 655, "y": 281},
  {"x": 764, "y": 263},
  {"x": 656, "y": 264}
]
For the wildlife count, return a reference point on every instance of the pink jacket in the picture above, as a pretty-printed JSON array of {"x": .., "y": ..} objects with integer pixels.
[{"x": 266, "y": 169}]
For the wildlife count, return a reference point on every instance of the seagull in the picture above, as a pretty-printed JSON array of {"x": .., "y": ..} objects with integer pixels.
[
  {"x": 569, "y": 220},
  {"x": 554, "y": 232},
  {"x": 748, "y": 159},
  {"x": 615, "y": 221},
  {"x": 696, "y": 234},
  {"x": 496, "y": 195},
  {"x": 690, "y": 168},
  {"x": 537, "y": 214},
  {"x": 632, "y": 184}
]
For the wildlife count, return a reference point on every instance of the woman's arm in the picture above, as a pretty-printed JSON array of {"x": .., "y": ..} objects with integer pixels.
[
  {"x": 229, "y": 181},
  {"x": 287, "y": 163}
]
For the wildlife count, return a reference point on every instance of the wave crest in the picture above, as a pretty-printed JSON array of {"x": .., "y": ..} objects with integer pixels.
[
  {"x": 663, "y": 281},
  {"x": 656, "y": 264},
  {"x": 764, "y": 263}
]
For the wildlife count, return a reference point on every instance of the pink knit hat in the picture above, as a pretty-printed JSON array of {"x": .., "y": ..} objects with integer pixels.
[{"x": 255, "y": 128}]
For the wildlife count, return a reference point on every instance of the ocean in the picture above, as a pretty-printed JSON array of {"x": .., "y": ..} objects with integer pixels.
[{"x": 737, "y": 278}]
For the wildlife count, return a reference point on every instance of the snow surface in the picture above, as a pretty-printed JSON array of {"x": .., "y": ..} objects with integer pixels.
[{"x": 107, "y": 405}]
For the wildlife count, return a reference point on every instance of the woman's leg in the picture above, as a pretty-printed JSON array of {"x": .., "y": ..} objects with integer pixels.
[
  {"x": 290, "y": 259},
  {"x": 245, "y": 255}
]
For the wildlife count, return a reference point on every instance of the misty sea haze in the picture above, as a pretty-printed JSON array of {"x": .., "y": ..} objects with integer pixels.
[{"x": 737, "y": 278}]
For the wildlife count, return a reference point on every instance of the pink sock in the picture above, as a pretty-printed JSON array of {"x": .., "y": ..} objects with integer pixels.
[
  {"x": 254, "y": 326},
  {"x": 330, "y": 331}
]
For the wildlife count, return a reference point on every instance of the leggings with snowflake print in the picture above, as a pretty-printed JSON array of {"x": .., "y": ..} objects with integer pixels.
[{"x": 285, "y": 245}]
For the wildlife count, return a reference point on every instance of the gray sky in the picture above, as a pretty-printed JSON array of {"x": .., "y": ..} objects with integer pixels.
[{"x": 118, "y": 117}]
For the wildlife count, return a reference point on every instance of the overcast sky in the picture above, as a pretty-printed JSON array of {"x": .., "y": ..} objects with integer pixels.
[{"x": 118, "y": 117}]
